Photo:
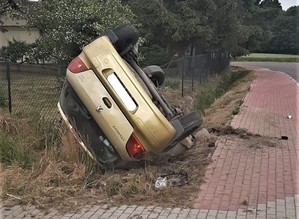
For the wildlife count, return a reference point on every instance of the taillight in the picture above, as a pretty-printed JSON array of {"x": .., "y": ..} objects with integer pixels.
[
  {"x": 77, "y": 65},
  {"x": 135, "y": 148}
]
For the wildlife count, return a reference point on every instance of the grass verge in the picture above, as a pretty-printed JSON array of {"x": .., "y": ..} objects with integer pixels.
[
  {"x": 264, "y": 57},
  {"x": 61, "y": 176},
  {"x": 216, "y": 86}
]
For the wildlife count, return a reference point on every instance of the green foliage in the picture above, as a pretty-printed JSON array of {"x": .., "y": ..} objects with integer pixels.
[
  {"x": 12, "y": 151},
  {"x": 204, "y": 25},
  {"x": 66, "y": 25},
  {"x": 15, "y": 51},
  {"x": 215, "y": 87},
  {"x": 277, "y": 28},
  {"x": 284, "y": 31},
  {"x": 172, "y": 83},
  {"x": 2, "y": 99},
  {"x": 154, "y": 55},
  {"x": 174, "y": 24},
  {"x": 264, "y": 57}
]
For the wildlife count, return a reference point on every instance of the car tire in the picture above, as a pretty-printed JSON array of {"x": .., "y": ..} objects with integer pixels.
[
  {"x": 155, "y": 73},
  {"x": 127, "y": 36}
]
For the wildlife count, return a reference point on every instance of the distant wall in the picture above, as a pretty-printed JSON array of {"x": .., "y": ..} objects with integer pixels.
[{"x": 15, "y": 29}]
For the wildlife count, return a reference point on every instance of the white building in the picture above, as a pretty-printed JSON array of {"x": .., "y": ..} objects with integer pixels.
[{"x": 15, "y": 29}]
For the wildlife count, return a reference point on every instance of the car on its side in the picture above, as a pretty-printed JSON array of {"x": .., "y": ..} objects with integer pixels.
[{"x": 113, "y": 106}]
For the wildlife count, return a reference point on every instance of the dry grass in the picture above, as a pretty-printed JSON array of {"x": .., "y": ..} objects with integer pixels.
[
  {"x": 64, "y": 178},
  {"x": 221, "y": 112}
]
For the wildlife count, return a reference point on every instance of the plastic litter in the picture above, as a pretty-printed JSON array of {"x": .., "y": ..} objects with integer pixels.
[
  {"x": 283, "y": 137},
  {"x": 161, "y": 183},
  {"x": 289, "y": 116},
  {"x": 173, "y": 179}
]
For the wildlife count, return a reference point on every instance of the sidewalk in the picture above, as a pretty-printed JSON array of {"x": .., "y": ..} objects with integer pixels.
[
  {"x": 258, "y": 179},
  {"x": 250, "y": 177}
]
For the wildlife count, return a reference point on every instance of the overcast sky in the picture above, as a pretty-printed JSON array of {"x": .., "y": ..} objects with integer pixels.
[{"x": 288, "y": 3}]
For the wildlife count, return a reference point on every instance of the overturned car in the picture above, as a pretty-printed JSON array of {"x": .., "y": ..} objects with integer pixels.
[{"x": 114, "y": 107}]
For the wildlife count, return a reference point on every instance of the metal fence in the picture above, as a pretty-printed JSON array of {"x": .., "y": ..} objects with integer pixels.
[
  {"x": 30, "y": 90},
  {"x": 33, "y": 90},
  {"x": 191, "y": 71}
]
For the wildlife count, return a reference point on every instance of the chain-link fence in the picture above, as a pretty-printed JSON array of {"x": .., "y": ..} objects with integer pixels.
[
  {"x": 30, "y": 90},
  {"x": 189, "y": 72},
  {"x": 33, "y": 90}
]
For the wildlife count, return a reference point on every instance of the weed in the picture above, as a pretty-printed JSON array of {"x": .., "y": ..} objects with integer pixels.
[
  {"x": 12, "y": 151},
  {"x": 2, "y": 99},
  {"x": 113, "y": 187},
  {"x": 236, "y": 110},
  {"x": 172, "y": 83},
  {"x": 216, "y": 86}
]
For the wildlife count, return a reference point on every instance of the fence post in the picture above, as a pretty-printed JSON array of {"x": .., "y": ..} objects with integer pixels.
[
  {"x": 8, "y": 86},
  {"x": 183, "y": 74},
  {"x": 193, "y": 71}
]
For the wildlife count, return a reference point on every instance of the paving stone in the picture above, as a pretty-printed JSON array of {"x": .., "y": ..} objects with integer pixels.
[
  {"x": 280, "y": 208},
  {"x": 212, "y": 213},
  {"x": 111, "y": 210},
  {"x": 202, "y": 215},
  {"x": 241, "y": 212},
  {"x": 251, "y": 216},
  {"x": 126, "y": 216},
  {"x": 162, "y": 217},
  {"x": 231, "y": 214},
  {"x": 281, "y": 214},
  {"x": 165, "y": 212},
  {"x": 172, "y": 216},
  {"x": 194, "y": 211},
  {"x": 138, "y": 210},
  {"x": 123, "y": 207},
  {"x": 175, "y": 210},
  {"x": 87, "y": 214},
  {"x": 280, "y": 202}
]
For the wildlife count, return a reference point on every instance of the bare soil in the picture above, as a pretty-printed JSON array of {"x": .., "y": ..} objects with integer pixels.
[{"x": 64, "y": 178}]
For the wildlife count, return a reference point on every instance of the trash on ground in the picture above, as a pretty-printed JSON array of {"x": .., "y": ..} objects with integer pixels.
[
  {"x": 289, "y": 116},
  {"x": 13, "y": 196},
  {"x": 161, "y": 183},
  {"x": 212, "y": 144},
  {"x": 283, "y": 137},
  {"x": 174, "y": 179}
]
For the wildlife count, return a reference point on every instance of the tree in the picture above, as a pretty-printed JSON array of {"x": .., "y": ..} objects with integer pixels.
[
  {"x": 15, "y": 51},
  {"x": 284, "y": 32},
  {"x": 67, "y": 25},
  {"x": 207, "y": 25},
  {"x": 174, "y": 24},
  {"x": 264, "y": 13},
  {"x": 231, "y": 32}
]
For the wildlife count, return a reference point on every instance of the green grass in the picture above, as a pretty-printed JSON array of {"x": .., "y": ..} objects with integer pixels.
[
  {"x": 216, "y": 86},
  {"x": 12, "y": 151},
  {"x": 32, "y": 92},
  {"x": 172, "y": 83},
  {"x": 265, "y": 57}
]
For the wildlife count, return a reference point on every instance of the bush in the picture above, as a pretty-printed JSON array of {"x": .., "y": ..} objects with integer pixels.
[
  {"x": 154, "y": 55},
  {"x": 15, "y": 51}
]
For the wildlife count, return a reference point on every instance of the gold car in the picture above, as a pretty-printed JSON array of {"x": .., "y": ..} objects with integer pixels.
[{"x": 114, "y": 107}]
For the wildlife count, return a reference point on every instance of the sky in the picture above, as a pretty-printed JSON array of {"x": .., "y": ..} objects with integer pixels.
[{"x": 288, "y": 3}]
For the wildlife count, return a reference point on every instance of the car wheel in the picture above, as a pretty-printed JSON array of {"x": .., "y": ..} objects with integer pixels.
[
  {"x": 155, "y": 73},
  {"x": 127, "y": 36}
]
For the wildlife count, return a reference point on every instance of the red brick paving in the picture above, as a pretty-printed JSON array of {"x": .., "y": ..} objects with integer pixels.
[{"x": 243, "y": 174}]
